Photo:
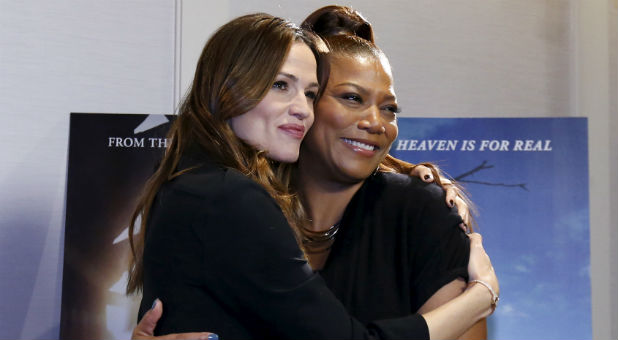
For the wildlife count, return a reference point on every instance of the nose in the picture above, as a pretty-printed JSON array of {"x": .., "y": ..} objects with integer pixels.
[
  {"x": 300, "y": 106},
  {"x": 371, "y": 122}
]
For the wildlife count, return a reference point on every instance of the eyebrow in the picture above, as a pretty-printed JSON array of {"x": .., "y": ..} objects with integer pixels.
[
  {"x": 295, "y": 79},
  {"x": 364, "y": 91}
]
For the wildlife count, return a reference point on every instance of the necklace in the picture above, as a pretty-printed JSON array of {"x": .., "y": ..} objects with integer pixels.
[{"x": 319, "y": 241}]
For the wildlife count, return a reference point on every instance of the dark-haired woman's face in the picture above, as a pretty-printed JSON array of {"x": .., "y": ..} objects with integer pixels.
[
  {"x": 280, "y": 121},
  {"x": 355, "y": 121}
]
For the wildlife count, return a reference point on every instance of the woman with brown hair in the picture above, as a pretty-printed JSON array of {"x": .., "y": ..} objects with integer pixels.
[{"x": 218, "y": 249}]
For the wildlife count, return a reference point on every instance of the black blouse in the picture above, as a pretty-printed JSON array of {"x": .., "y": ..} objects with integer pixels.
[
  {"x": 398, "y": 244},
  {"x": 222, "y": 258}
]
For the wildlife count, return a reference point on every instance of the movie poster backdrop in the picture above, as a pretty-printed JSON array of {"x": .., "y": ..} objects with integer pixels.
[
  {"x": 110, "y": 158},
  {"x": 528, "y": 178}
]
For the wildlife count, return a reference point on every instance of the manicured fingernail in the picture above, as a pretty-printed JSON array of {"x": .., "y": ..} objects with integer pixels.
[
  {"x": 213, "y": 336},
  {"x": 427, "y": 177},
  {"x": 451, "y": 203},
  {"x": 154, "y": 303},
  {"x": 466, "y": 228}
]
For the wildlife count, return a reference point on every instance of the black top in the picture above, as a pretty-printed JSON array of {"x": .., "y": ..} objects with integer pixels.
[
  {"x": 398, "y": 244},
  {"x": 222, "y": 258}
]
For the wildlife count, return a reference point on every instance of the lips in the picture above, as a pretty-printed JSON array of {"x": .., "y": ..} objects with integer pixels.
[
  {"x": 296, "y": 131},
  {"x": 363, "y": 147}
]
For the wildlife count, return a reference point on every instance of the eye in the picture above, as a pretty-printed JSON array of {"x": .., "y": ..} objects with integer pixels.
[
  {"x": 390, "y": 111},
  {"x": 392, "y": 108},
  {"x": 280, "y": 85},
  {"x": 311, "y": 95},
  {"x": 352, "y": 97}
]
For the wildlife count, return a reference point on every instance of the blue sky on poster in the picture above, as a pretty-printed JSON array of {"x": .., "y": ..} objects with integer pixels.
[{"x": 537, "y": 237}]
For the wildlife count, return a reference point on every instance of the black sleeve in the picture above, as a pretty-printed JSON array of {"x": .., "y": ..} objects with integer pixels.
[
  {"x": 443, "y": 249},
  {"x": 262, "y": 275}
]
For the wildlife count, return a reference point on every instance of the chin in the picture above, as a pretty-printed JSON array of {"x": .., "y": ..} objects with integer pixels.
[
  {"x": 356, "y": 174},
  {"x": 284, "y": 156}
]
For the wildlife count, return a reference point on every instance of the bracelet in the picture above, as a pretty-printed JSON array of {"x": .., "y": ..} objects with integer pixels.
[{"x": 494, "y": 297}]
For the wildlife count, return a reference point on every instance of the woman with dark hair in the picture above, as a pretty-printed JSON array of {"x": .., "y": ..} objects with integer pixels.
[
  {"x": 392, "y": 228},
  {"x": 349, "y": 89},
  {"x": 218, "y": 247},
  {"x": 333, "y": 20}
]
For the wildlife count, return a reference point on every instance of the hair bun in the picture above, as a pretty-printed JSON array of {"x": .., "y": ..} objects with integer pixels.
[{"x": 338, "y": 20}]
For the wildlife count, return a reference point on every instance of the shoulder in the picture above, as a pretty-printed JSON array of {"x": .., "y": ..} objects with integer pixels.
[
  {"x": 423, "y": 204},
  {"x": 212, "y": 192},
  {"x": 219, "y": 196},
  {"x": 210, "y": 181},
  {"x": 406, "y": 188}
]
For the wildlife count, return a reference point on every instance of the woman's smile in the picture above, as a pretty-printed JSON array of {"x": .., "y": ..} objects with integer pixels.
[
  {"x": 296, "y": 131},
  {"x": 355, "y": 119},
  {"x": 362, "y": 147}
]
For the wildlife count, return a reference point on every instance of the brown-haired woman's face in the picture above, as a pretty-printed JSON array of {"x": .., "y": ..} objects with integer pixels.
[
  {"x": 355, "y": 121},
  {"x": 279, "y": 122}
]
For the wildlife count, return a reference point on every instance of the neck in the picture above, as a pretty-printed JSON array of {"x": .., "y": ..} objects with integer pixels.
[{"x": 325, "y": 200}]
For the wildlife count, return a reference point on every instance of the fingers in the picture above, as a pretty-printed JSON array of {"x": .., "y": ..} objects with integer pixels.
[
  {"x": 476, "y": 239},
  {"x": 479, "y": 264},
  {"x": 199, "y": 336},
  {"x": 145, "y": 328},
  {"x": 423, "y": 172},
  {"x": 464, "y": 227},
  {"x": 463, "y": 210},
  {"x": 454, "y": 199},
  {"x": 452, "y": 193},
  {"x": 476, "y": 242}
]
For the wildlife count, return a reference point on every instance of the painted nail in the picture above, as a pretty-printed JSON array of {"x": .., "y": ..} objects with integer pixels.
[
  {"x": 466, "y": 228},
  {"x": 451, "y": 203},
  {"x": 213, "y": 336},
  {"x": 154, "y": 303},
  {"x": 427, "y": 177}
]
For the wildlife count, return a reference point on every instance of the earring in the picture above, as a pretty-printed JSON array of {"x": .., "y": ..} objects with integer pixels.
[{"x": 375, "y": 171}]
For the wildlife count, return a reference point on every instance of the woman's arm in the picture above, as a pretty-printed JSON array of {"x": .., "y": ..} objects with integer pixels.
[
  {"x": 447, "y": 293},
  {"x": 449, "y": 313},
  {"x": 258, "y": 269},
  {"x": 474, "y": 301},
  {"x": 445, "y": 258},
  {"x": 442, "y": 324}
]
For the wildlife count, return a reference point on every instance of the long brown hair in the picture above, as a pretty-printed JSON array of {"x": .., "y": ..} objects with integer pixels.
[{"x": 236, "y": 69}]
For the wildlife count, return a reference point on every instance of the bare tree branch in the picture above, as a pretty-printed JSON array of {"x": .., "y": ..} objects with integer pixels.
[
  {"x": 477, "y": 169},
  {"x": 484, "y": 166},
  {"x": 521, "y": 185}
]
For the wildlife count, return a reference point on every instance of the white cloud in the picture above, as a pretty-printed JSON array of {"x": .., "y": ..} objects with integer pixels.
[
  {"x": 522, "y": 269},
  {"x": 525, "y": 263},
  {"x": 508, "y": 310},
  {"x": 575, "y": 224},
  {"x": 528, "y": 259}
]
